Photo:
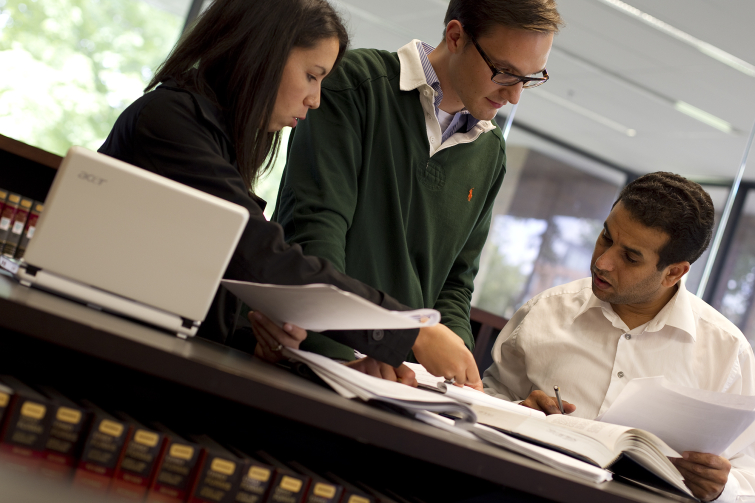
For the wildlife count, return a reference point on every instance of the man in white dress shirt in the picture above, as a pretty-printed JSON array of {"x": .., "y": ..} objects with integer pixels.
[{"x": 634, "y": 318}]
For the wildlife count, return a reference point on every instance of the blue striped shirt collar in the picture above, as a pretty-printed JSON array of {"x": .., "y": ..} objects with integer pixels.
[{"x": 463, "y": 120}]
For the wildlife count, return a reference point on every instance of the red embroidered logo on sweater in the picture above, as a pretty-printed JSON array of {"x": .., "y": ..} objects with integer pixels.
[{"x": 469, "y": 197}]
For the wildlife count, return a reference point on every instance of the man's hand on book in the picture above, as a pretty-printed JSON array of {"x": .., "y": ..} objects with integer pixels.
[
  {"x": 444, "y": 354},
  {"x": 271, "y": 338},
  {"x": 538, "y": 400},
  {"x": 371, "y": 366},
  {"x": 705, "y": 474}
]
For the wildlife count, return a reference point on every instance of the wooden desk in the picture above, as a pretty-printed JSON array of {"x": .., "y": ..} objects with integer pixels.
[{"x": 33, "y": 319}]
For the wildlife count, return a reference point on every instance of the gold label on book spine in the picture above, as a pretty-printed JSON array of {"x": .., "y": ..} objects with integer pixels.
[
  {"x": 111, "y": 428},
  {"x": 259, "y": 473},
  {"x": 290, "y": 484},
  {"x": 67, "y": 415},
  {"x": 181, "y": 451},
  {"x": 3, "y": 194},
  {"x": 14, "y": 198},
  {"x": 40, "y": 207},
  {"x": 26, "y": 203},
  {"x": 4, "y": 399},
  {"x": 223, "y": 466},
  {"x": 147, "y": 438},
  {"x": 324, "y": 490},
  {"x": 33, "y": 410},
  {"x": 358, "y": 499}
]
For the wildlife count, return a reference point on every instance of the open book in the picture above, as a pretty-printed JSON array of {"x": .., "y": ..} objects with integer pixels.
[
  {"x": 601, "y": 444},
  {"x": 321, "y": 307}
]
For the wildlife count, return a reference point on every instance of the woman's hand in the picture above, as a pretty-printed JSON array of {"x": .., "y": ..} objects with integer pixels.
[
  {"x": 271, "y": 338},
  {"x": 371, "y": 366}
]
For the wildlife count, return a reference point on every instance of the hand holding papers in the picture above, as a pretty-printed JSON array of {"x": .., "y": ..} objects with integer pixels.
[
  {"x": 687, "y": 419},
  {"x": 322, "y": 307}
]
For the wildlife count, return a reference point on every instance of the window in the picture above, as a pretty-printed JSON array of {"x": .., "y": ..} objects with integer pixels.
[
  {"x": 546, "y": 219},
  {"x": 734, "y": 296},
  {"x": 718, "y": 195},
  {"x": 70, "y": 67}
]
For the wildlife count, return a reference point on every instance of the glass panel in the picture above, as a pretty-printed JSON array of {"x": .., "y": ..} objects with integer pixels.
[
  {"x": 71, "y": 66},
  {"x": 545, "y": 223},
  {"x": 735, "y": 293},
  {"x": 718, "y": 195},
  {"x": 267, "y": 188}
]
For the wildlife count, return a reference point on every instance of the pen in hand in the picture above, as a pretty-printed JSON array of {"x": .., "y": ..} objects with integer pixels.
[{"x": 558, "y": 397}]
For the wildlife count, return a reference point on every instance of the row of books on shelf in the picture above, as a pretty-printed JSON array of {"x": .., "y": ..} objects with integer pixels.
[
  {"x": 18, "y": 219},
  {"x": 112, "y": 454}
]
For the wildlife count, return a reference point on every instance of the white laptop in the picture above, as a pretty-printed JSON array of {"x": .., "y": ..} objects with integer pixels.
[{"x": 125, "y": 240}]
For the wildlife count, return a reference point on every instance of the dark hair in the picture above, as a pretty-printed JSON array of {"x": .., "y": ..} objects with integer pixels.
[
  {"x": 677, "y": 206},
  {"x": 479, "y": 16},
  {"x": 239, "y": 49}
]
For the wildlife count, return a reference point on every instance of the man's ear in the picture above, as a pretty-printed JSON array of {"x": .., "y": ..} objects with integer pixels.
[
  {"x": 455, "y": 37},
  {"x": 674, "y": 273}
]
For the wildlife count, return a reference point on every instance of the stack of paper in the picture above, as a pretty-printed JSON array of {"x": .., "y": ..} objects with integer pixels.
[{"x": 351, "y": 383}]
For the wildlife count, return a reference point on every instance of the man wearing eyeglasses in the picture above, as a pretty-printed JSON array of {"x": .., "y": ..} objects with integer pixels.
[{"x": 394, "y": 176}]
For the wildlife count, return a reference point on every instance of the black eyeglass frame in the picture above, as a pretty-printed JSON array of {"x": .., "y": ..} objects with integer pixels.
[{"x": 527, "y": 82}]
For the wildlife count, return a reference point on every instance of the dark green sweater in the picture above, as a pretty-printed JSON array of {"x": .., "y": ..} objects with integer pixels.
[{"x": 361, "y": 190}]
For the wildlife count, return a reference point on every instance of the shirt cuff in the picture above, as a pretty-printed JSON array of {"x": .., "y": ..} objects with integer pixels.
[{"x": 731, "y": 490}]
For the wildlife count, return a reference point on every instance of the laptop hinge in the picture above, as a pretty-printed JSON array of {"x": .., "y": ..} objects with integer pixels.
[
  {"x": 186, "y": 323},
  {"x": 31, "y": 270}
]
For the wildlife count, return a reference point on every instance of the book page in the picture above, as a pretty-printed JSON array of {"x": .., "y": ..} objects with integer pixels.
[
  {"x": 546, "y": 456},
  {"x": 605, "y": 433},
  {"x": 544, "y": 432}
]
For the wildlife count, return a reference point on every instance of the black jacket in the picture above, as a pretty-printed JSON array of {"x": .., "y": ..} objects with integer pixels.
[{"x": 182, "y": 135}]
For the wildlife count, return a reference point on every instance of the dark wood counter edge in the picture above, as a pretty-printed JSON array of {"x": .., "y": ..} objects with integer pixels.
[
  {"x": 366, "y": 425},
  {"x": 26, "y": 151}
]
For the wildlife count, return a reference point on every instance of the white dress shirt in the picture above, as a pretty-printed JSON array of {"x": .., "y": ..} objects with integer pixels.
[{"x": 568, "y": 337}]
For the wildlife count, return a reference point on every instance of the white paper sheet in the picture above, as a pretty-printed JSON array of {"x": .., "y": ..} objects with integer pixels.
[
  {"x": 685, "y": 418},
  {"x": 321, "y": 307}
]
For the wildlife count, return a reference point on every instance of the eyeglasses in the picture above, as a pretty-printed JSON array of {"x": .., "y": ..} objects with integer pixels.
[{"x": 503, "y": 78}]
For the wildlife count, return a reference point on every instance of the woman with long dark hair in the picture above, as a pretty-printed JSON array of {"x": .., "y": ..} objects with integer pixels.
[{"x": 211, "y": 119}]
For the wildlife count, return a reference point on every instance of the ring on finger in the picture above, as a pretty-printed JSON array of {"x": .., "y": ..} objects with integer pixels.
[{"x": 279, "y": 347}]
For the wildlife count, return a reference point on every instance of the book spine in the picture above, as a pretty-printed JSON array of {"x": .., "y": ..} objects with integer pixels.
[
  {"x": 6, "y": 394},
  {"x": 288, "y": 487},
  {"x": 63, "y": 444},
  {"x": 323, "y": 492},
  {"x": 255, "y": 482},
  {"x": 136, "y": 469},
  {"x": 6, "y": 217},
  {"x": 102, "y": 452},
  {"x": 22, "y": 440},
  {"x": 218, "y": 479},
  {"x": 17, "y": 227},
  {"x": 176, "y": 470},
  {"x": 31, "y": 225},
  {"x": 3, "y": 198}
]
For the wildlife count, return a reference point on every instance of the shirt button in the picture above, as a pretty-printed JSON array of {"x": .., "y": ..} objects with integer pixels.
[
  {"x": 620, "y": 374},
  {"x": 378, "y": 335},
  {"x": 432, "y": 139},
  {"x": 627, "y": 336}
]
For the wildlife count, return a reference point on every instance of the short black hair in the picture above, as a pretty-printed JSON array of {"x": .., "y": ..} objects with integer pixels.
[{"x": 679, "y": 207}]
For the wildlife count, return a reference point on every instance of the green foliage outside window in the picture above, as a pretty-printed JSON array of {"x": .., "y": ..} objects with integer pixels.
[{"x": 70, "y": 67}]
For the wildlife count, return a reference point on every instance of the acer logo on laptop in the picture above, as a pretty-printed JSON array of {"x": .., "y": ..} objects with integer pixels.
[{"x": 91, "y": 178}]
